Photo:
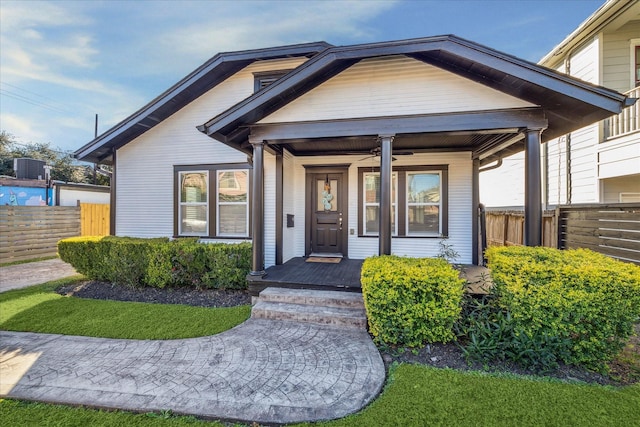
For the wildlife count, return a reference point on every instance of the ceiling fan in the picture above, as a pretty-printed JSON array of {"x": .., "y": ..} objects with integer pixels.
[{"x": 377, "y": 151}]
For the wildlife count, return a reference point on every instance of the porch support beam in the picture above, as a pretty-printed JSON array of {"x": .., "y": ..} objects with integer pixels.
[
  {"x": 384, "y": 240},
  {"x": 257, "y": 210},
  {"x": 533, "y": 188},
  {"x": 481, "y": 121},
  {"x": 476, "y": 253}
]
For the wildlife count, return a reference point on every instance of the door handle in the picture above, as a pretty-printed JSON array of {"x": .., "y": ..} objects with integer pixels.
[{"x": 340, "y": 222}]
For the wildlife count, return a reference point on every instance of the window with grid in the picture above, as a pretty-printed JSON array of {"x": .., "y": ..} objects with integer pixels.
[
  {"x": 418, "y": 199},
  {"x": 212, "y": 200}
]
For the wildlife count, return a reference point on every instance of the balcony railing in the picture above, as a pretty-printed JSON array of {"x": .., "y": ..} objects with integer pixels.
[{"x": 628, "y": 121}]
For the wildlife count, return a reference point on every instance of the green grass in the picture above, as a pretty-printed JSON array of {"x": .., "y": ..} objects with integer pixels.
[
  {"x": 40, "y": 309},
  {"x": 424, "y": 396},
  {"x": 27, "y": 414}
]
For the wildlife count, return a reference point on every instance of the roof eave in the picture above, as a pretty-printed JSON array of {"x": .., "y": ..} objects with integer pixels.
[{"x": 239, "y": 58}]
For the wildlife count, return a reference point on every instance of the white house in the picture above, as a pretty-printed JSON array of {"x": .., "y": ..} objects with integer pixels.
[
  {"x": 598, "y": 163},
  {"x": 347, "y": 151}
]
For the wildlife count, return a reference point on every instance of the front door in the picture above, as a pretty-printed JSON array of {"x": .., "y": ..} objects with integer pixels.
[{"x": 327, "y": 204}]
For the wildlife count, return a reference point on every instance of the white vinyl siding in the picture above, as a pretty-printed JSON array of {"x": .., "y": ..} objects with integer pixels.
[
  {"x": 612, "y": 188},
  {"x": 390, "y": 86},
  {"x": 144, "y": 167},
  {"x": 585, "y": 63}
]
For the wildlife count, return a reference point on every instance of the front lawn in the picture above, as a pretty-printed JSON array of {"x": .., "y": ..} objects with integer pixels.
[
  {"x": 41, "y": 309},
  {"x": 423, "y": 396}
]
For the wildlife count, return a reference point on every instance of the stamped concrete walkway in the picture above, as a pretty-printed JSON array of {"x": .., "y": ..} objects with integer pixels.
[
  {"x": 267, "y": 371},
  {"x": 33, "y": 273}
]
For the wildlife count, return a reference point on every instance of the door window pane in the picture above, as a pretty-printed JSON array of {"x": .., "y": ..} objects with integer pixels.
[{"x": 327, "y": 192}]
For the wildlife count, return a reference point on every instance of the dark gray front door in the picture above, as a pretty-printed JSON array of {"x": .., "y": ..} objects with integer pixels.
[{"x": 327, "y": 203}]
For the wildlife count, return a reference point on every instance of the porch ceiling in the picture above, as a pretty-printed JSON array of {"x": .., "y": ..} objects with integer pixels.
[{"x": 415, "y": 143}]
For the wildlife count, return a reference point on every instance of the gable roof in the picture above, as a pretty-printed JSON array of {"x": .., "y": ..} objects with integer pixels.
[
  {"x": 202, "y": 79},
  {"x": 567, "y": 102}
]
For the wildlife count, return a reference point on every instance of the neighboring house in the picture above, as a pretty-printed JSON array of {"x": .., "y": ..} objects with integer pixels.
[
  {"x": 72, "y": 194},
  {"x": 38, "y": 192},
  {"x": 598, "y": 163},
  {"x": 24, "y": 192},
  {"x": 350, "y": 151}
]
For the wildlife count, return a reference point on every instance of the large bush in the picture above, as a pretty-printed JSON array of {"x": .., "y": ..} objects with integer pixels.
[
  {"x": 158, "y": 262},
  {"x": 410, "y": 301},
  {"x": 573, "y": 306}
]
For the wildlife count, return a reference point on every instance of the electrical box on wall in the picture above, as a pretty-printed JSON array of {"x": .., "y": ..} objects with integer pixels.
[{"x": 289, "y": 220}]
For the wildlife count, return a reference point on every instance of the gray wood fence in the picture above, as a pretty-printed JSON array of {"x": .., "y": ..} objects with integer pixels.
[
  {"x": 611, "y": 229},
  {"x": 28, "y": 232}
]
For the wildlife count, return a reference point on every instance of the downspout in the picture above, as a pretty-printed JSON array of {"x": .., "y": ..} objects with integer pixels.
[
  {"x": 496, "y": 166},
  {"x": 567, "y": 141},
  {"x": 545, "y": 174},
  {"x": 567, "y": 148}
]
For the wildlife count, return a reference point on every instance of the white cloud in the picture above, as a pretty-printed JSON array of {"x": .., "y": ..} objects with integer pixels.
[
  {"x": 113, "y": 57},
  {"x": 23, "y": 129}
]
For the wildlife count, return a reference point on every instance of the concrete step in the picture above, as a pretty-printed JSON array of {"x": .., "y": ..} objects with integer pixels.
[
  {"x": 313, "y": 297},
  {"x": 323, "y": 315}
]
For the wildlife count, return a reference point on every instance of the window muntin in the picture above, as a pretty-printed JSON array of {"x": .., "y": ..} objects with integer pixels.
[
  {"x": 233, "y": 203},
  {"x": 371, "y": 203},
  {"x": 194, "y": 206},
  {"x": 423, "y": 203}
]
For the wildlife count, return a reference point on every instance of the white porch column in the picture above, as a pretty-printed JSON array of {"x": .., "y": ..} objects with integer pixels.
[{"x": 384, "y": 227}]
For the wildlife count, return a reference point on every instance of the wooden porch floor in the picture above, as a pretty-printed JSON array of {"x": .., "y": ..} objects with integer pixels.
[
  {"x": 344, "y": 276},
  {"x": 299, "y": 274}
]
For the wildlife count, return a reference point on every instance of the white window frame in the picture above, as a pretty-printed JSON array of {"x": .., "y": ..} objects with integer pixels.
[
  {"x": 439, "y": 204},
  {"x": 365, "y": 204},
  {"x": 219, "y": 203},
  {"x": 182, "y": 203}
]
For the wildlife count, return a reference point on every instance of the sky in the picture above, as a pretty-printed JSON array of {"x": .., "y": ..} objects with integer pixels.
[{"x": 63, "y": 62}]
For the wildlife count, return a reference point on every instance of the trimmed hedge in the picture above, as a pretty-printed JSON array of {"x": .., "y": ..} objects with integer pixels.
[
  {"x": 411, "y": 301},
  {"x": 158, "y": 262},
  {"x": 580, "y": 303}
]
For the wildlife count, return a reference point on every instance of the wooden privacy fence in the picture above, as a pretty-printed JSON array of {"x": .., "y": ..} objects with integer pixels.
[
  {"x": 506, "y": 228},
  {"x": 612, "y": 229},
  {"x": 28, "y": 232}
]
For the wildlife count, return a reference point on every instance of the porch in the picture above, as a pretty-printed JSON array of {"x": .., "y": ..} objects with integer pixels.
[
  {"x": 297, "y": 273},
  {"x": 344, "y": 276}
]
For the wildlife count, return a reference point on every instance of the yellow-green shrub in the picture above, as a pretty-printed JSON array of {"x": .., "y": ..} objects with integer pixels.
[
  {"x": 410, "y": 301},
  {"x": 580, "y": 297},
  {"x": 158, "y": 262}
]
